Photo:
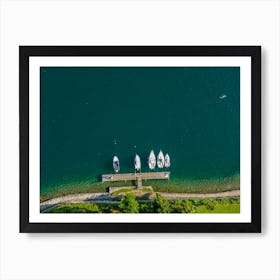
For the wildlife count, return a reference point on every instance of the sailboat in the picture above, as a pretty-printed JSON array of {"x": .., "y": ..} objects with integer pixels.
[
  {"x": 152, "y": 160},
  {"x": 160, "y": 160},
  {"x": 116, "y": 164},
  {"x": 137, "y": 163},
  {"x": 167, "y": 161}
]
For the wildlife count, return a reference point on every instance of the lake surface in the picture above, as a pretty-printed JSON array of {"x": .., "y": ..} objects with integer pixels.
[{"x": 90, "y": 114}]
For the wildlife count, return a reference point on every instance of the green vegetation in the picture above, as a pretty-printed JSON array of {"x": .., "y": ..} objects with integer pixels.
[
  {"x": 83, "y": 208},
  {"x": 129, "y": 204},
  {"x": 161, "y": 205},
  {"x": 182, "y": 206},
  {"x": 221, "y": 205},
  {"x": 147, "y": 207},
  {"x": 230, "y": 208},
  {"x": 131, "y": 190},
  {"x": 121, "y": 191},
  {"x": 77, "y": 208},
  {"x": 146, "y": 190}
]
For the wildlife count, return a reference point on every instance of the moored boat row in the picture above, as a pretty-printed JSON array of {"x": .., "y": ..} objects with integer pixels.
[{"x": 161, "y": 161}]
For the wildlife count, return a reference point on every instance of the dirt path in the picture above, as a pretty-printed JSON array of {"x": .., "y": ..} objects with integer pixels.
[{"x": 234, "y": 193}]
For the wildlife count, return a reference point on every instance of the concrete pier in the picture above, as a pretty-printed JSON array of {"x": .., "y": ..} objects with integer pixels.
[{"x": 139, "y": 177}]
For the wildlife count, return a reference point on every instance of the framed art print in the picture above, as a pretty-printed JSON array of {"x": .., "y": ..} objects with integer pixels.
[{"x": 140, "y": 138}]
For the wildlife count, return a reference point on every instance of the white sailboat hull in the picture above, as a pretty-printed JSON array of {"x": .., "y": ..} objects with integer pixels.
[
  {"x": 167, "y": 161},
  {"x": 137, "y": 163},
  {"x": 160, "y": 160},
  {"x": 152, "y": 160},
  {"x": 116, "y": 164}
]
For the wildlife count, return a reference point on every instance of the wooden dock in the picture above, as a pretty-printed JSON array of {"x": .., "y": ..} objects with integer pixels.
[{"x": 135, "y": 177}]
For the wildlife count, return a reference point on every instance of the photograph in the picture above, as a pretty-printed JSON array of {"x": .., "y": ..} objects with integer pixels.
[{"x": 140, "y": 140}]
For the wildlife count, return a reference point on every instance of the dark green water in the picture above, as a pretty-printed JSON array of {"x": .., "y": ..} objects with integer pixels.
[{"x": 90, "y": 114}]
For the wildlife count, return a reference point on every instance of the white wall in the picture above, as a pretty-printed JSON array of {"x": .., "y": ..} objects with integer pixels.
[{"x": 138, "y": 256}]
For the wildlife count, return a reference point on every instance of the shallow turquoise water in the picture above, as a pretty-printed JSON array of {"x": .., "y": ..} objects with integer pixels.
[{"x": 88, "y": 115}]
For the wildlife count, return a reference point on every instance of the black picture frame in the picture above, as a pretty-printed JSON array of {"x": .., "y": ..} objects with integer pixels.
[{"x": 25, "y": 52}]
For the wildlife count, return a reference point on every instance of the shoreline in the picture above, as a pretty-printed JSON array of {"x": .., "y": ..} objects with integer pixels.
[
  {"x": 200, "y": 186},
  {"x": 105, "y": 197}
]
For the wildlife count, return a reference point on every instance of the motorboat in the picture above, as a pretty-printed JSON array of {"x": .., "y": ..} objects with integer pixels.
[
  {"x": 167, "y": 161},
  {"x": 160, "y": 159},
  {"x": 116, "y": 164},
  {"x": 152, "y": 161},
  {"x": 137, "y": 163}
]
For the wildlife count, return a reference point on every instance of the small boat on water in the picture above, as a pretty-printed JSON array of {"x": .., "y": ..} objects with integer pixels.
[
  {"x": 167, "y": 161},
  {"x": 160, "y": 160},
  {"x": 137, "y": 163},
  {"x": 152, "y": 161},
  {"x": 116, "y": 164}
]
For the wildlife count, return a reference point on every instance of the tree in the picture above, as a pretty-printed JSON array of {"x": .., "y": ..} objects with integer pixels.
[
  {"x": 129, "y": 204},
  {"x": 182, "y": 206},
  {"x": 146, "y": 207},
  {"x": 93, "y": 208},
  {"x": 161, "y": 205},
  {"x": 209, "y": 204}
]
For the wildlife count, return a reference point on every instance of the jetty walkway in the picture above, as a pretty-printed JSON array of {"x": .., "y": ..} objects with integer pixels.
[{"x": 136, "y": 177}]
